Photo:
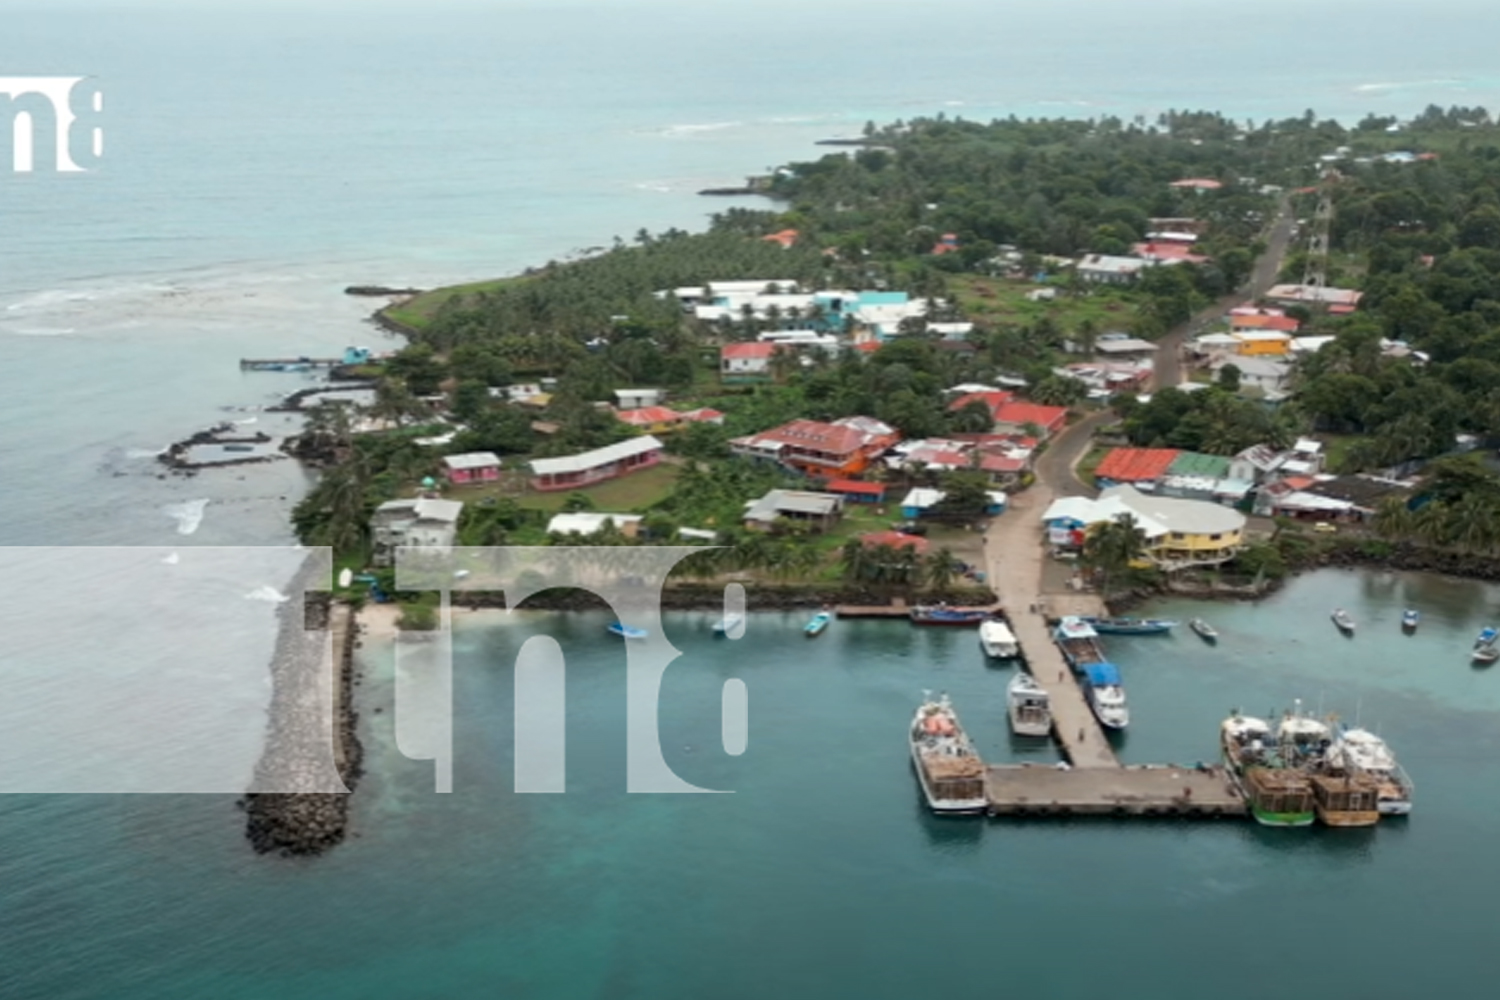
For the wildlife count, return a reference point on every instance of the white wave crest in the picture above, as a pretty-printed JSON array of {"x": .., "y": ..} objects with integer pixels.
[
  {"x": 145, "y": 452},
  {"x": 188, "y": 514},
  {"x": 269, "y": 594},
  {"x": 674, "y": 130},
  {"x": 171, "y": 559}
]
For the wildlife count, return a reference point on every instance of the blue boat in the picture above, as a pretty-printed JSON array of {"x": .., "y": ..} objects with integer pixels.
[
  {"x": 1487, "y": 637},
  {"x": 1130, "y": 626},
  {"x": 729, "y": 624},
  {"x": 1106, "y": 695},
  {"x": 1410, "y": 618},
  {"x": 818, "y": 623},
  {"x": 627, "y": 631}
]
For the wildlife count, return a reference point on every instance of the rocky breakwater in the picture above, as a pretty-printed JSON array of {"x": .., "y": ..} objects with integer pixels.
[{"x": 311, "y": 743}]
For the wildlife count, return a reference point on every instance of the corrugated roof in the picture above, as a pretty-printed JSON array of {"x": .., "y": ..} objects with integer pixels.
[
  {"x": 1191, "y": 463},
  {"x": 472, "y": 460},
  {"x": 593, "y": 459},
  {"x": 855, "y": 486},
  {"x": 895, "y": 540},
  {"x": 1135, "y": 465}
]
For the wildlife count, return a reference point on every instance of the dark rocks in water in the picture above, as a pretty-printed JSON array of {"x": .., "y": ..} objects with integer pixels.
[
  {"x": 379, "y": 291},
  {"x": 729, "y": 191}
]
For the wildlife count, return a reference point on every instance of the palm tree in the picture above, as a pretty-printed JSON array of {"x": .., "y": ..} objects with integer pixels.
[
  {"x": 1112, "y": 546},
  {"x": 939, "y": 570},
  {"x": 855, "y": 563},
  {"x": 1394, "y": 519}
]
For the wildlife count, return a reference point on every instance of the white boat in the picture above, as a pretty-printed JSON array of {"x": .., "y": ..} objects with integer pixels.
[
  {"x": 730, "y": 623},
  {"x": 1359, "y": 750},
  {"x": 1206, "y": 631},
  {"x": 1303, "y": 739},
  {"x": 1029, "y": 706},
  {"x": 1485, "y": 654},
  {"x": 998, "y": 641},
  {"x": 1106, "y": 695},
  {"x": 1343, "y": 621},
  {"x": 950, "y": 771}
]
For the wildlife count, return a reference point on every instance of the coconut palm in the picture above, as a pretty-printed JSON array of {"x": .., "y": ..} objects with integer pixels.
[
  {"x": 1112, "y": 546},
  {"x": 940, "y": 569}
]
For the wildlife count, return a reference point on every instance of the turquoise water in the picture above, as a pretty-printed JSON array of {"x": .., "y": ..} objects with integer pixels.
[
  {"x": 256, "y": 164},
  {"x": 822, "y": 874}
]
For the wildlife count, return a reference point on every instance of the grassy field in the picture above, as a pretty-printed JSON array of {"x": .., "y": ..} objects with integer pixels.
[
  {"x": 1090, "y": 461},
  {"x": 998, "y": 300},
  {"x": 416, "y": 311}
]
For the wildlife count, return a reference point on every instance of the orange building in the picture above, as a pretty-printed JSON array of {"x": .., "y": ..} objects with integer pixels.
[{"x": 842, "y": 449}]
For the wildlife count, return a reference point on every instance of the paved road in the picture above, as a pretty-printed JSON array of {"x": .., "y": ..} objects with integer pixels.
[
  {"x": 1168, "y": 365},
  {"x": 1054, "y": 469}
]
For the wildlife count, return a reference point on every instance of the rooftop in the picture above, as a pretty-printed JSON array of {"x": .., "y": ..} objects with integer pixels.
[
  {"x": 1191, "y": 463},
  {"x": 1134, "y": 465},
  {"x": 1194, "y": 517},
  {"x": 472, "y": 460},
  {"x": 593, "y": 459}
]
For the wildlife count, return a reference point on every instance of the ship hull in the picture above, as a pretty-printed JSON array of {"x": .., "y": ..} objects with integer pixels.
[
  {"x": 944, "y": 807},
  {"x": 1341, "y": 818},
  {"x": 1266, "y": 817}
]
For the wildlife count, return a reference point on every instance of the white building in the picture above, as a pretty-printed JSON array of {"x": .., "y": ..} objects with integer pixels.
[
  {"x": 592, "y": 522},
  {"x": 1106, "y": 270},
  {"x": 419, "y": 523},
  {"x": 634, "y": 399}
]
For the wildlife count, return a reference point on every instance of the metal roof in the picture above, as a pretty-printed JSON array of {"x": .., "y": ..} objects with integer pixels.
[{"x": 599, "y": 456}]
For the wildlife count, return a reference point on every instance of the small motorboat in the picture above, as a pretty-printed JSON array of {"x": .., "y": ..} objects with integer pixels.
[
  {"x": 1487, "y": 637},
  {"x": 941, "y": 614},
  {"x": 1486, "y": 654},
  {"x": 730, "y": 623},
  {"x": 1410, "y": 618},
  {"x": 626, "y": 631},
  {"x": 817, "y": 624},
  {"x": 1131, "y": 626},
  {"x": 1205, "y": 631},
  {"x": 1342, "y": 621}
]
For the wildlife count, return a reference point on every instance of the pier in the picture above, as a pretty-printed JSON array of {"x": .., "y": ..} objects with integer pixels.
[
  {"x": 288, "y": 364},
  {"x": 1146, "y": 790}
]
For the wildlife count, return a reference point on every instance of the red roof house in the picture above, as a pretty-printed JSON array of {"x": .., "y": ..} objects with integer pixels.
[
  {"x": 857, "y": 491},
  {"x": 840, "y": 450},
  {"x": 745, "y": 362},
  {"x": 895, "y": 540},
  {"x": 787, "y": 237},
  {"x": 1198, "y": 183},
  {"x": 1016, "y": 414},
  {"x": 1135, "y": 465}
]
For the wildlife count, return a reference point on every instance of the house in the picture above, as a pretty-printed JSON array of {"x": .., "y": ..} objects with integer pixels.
[
  {"x": 472, "y": 467},
  {"x": 951, "y": 331},
  {"x": 1161, "y": 251},
  {"x": 632, "y": 399},
  {"x": 1258, "y": 373},
  {"x": 1160, "y": 226},
  {"x": 1125, "y": 347},
  {"x": 1194, "y": 464},
  {"x": 921, "y": 500},
  {"x": 662, "y": 420},
  {"x": 1262, "y": 343},
  {"x": 787, "y": 238},
  {"x": 839, "y": 450},
  {"x": 1211, "y": 489},
  {"x": 745, "y": 362},
  {"x": 855, "y": 491},
  {"x": 1016, "y": 416},
  {"x": 1241, "y": 321},
  {"x": 1102, "y": 269},
  {"x": 1144, "y": 467},
  {"x": 1198, "y": 184},
  {"x": 574, "y": 471},
  {"x": 421, "y": 523},
  {"x": 1256, "y": 463},
  {"x": 1314, "y": 294},
  {"x": 820, "y": 510},
  {"x": 1179, "y": 533},
  {"x": 895, "y": 540},
  {"x": 592, "y": 522},
  {"x": 1107, "y": 378}
]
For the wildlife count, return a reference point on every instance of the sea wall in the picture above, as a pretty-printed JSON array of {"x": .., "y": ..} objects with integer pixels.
[
  {"x": 298, "y": 739},
  {"x": 704, "y": 597}
]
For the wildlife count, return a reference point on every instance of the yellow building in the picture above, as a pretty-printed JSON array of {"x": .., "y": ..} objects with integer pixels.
[
  {"x": 1261, "y": 343},
  {"x": 1179, "y": 533}
]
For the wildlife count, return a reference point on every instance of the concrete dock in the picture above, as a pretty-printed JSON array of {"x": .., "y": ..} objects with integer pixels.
[{"x": 1150, "y": 790}]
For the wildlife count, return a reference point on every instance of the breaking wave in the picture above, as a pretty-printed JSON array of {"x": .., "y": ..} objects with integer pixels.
[{"x": 188, "y": 514}]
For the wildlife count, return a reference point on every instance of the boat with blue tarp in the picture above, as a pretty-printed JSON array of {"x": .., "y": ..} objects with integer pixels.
[
  {"x": 1106, "y": 695},
  {"x": 1078, "y": 642},
  {"x": 626, "y": 631}
]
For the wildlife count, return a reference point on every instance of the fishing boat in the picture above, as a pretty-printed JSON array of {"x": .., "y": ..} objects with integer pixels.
[
  {"x": 950, "y": 771},
  {"x": 1347, "y": 799},
  {"x": 1029, "y": 706},
  {"x": 1342, "y": 621},
  {"x": 1106, "y": 695},
  {"x": 817, "y": 624},
  {"x": 1361, "y": 751},
  {"x": 1303, "y": 740},
  {"x": 942, "y": 614},
  {"x": 1078, "y": 642},
  {"x": 1205, "y": 631},
  {"x": 626, "y": 631},
  {"x": 997, "y": 640},
  {"x": 728, "y": 624},
  {"x": 1485, "y": 654},
  {"x": 1486, "y": 637},
  {"x": 1410, "y": 618},
  {"x": 1278, "y": 795},
  {"x": 1130, "y": 626}
]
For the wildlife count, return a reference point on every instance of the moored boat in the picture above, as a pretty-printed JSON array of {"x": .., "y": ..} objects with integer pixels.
[
  {"x": 1029, "y": 706},
  {"x": 1205, "y": 631},
  {"x": 1348, "y": 799},
  {"x": 817, "y": 624},
  {"x": 1343, "y": 621},
  {"x": 1361, "y": 751},
  {"x": 730, "y": 623},
  {"x": 1410, "y": 619},
  {"x": 947, "y": 766},
  {"x": 941, "y": 614},
  {"x": 1485, "y": 654},
  {"x": 627, "y": 631},
  {"x": 1078, "y": 642},
  {"x": 1130, "y": 626},
  {"x": 1277, "y": 795},
  {"x": 1106, "y": 695},
  {"x": 1486, "y": 637},
  {"x": 997, "y": 640}
]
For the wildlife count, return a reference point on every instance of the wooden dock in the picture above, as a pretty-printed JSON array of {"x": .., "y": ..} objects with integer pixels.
[
  {"x": 1149, "y": 790},
  {"x": 898, "y": 608}
]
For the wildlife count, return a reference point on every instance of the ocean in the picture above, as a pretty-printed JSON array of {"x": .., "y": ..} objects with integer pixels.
[{"x": 260, "y": 158}]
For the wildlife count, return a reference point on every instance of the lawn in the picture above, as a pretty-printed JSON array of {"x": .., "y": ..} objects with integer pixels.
[
  {"x": 632, "y": 493},
  {"x": 417, "y": 310},
  {"x": 999, "y": 300},
  {"x": 1090, "y": 461}
]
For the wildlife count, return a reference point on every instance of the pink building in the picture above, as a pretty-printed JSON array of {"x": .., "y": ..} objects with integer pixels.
[
  {"x": 472, "y": 467},
  {"x": 573, "y": 471}
]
